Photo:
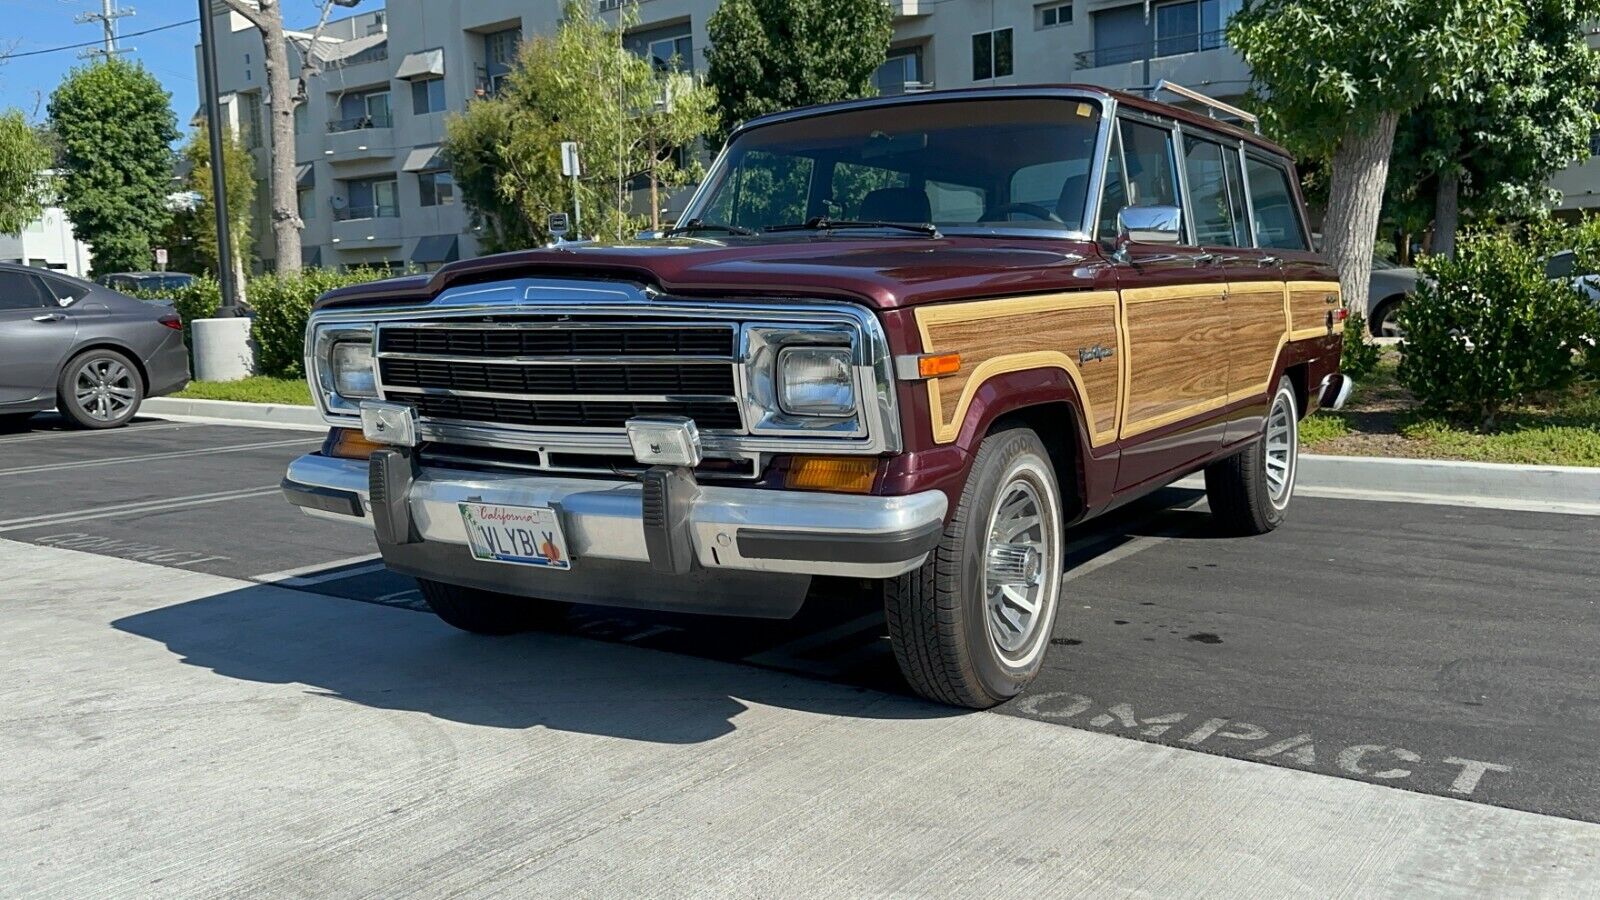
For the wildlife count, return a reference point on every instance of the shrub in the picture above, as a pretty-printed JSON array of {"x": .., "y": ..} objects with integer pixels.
[
  {"x": 1361, "y": 355},
  {"x": 1487, "y": 330},
  {"x": 282, "y": 305},
  {"x": 198, "y": 299}
]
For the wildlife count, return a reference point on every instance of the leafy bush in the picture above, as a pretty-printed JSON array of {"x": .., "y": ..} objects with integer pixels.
[
  {"x": 1361, "y": 355},
  {"x": 198, "y": 299},
  {"x": 1487, "y": 330},
  {"x": 282, "y": 305}
]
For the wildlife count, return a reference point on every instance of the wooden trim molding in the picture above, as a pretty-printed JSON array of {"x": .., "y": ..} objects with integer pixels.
[
  {"x": 995, "y": 337},
  {"x": 1309, "y": 305}
]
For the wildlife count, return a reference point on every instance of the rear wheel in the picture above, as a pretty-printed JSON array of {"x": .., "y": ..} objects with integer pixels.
[
  {"x": 971, "y": 626},
  {"x": 1250, "y": 491},
  {"x": 1386, "y": 320},
  {"x": 488, "y": 612},
  {"x": 99, "y": 389}
]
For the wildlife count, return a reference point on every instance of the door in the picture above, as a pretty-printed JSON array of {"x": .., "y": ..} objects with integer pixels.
[
  {"x": 35, "y": 337},
  {"x": 1253, "y": 281},
  {"x": 1175, "y": 319},
  {"x": 1311, "y": 284}
]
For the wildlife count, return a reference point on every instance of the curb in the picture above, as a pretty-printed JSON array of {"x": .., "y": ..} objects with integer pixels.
[
  {"x": 1562, "y": 489},
  {"x": 230, "y": 412},
  {"x": 1568, "y": 489}
]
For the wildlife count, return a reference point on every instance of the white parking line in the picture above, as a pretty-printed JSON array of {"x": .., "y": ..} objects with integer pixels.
[
  {"x": 150, "y": 457},
  {"x": 305, "y": 576},
  {"x": 128, "y": 509},
  {"x": 132, "y": 429}
]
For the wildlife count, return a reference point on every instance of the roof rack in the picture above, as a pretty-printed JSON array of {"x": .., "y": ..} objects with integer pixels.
[{"x": 1213, "y": 105}]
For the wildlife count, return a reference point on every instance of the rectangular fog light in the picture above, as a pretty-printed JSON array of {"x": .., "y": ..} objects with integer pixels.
[
  {"x": 665, "y": 440},
  {"x": 394, "y": 424}
]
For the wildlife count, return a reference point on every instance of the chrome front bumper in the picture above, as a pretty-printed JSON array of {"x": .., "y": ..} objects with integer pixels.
[{"x": 726, "y": 528}]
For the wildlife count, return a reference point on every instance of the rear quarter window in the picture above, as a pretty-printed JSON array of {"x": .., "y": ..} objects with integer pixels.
[{"x": 1277, "y": 214}]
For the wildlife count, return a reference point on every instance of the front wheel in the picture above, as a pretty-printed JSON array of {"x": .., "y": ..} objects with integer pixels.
[
  {"x": 487, "y": 612},
  {"x": 971, "y": 626},
  {"x": 1250, "y": 491}
]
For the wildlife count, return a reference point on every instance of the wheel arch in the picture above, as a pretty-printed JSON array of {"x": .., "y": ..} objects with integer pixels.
[
  {"x": 1046, "y": 401},
  {"x": 105, "y": 344}
]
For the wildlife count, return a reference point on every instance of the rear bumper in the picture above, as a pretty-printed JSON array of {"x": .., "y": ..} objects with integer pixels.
[
  {"x": 716, "y": 528},
  {"x": 168, "y": 367}
]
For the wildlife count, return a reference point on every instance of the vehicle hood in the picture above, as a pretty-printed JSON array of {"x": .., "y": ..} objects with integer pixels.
[{"x": 885, "y": 274}]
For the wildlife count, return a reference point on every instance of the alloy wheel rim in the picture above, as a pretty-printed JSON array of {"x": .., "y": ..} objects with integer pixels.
[
  {"x": 1021, "y": 568},
  {"x": 104, "y": 389},
  {"x": 1282, "y": 450}
]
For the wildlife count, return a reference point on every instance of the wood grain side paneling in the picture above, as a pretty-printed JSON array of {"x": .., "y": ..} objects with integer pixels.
[
  {"x": 1309, "y": 305},
  {"x": 1260, "y": 319},
  {"x": 1179, "y": 342},
  {"x": 1010, "y": 335}
]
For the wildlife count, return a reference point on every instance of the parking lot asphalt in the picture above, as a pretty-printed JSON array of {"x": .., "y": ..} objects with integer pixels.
[{"x": 1438, "y": 649}]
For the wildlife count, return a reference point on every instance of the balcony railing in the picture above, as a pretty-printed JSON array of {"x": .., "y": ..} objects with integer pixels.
[
  {"x": 1174, "y": 45},
  {"x": 366, "y": 212},
  {"x": 371, "y": 120},
  {"x": 378, "y": 53}
]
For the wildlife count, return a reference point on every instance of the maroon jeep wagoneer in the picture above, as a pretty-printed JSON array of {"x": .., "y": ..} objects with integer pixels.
[{"x": 908, "y": 339}]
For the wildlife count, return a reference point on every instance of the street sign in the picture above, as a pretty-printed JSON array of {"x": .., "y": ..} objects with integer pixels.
[
  {"x": 161, "y": 258},
  {"x": 558, "y": 225},
  {"x": 570, "y": 167}
]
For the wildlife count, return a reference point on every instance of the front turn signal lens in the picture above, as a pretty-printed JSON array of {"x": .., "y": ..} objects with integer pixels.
[
  {"x": 841, "y": 474},
  {"x": 933, "y": 365},
  {"x": 350, "y": 443}
]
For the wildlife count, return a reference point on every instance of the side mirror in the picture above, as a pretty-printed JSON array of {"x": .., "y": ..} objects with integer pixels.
[{"x": 1150, "y": 225}]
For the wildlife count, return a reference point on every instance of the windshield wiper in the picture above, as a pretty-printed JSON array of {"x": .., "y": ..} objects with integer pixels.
[
  {"x": 694, "y": 225},
  {"x": 823, "y": 223}
]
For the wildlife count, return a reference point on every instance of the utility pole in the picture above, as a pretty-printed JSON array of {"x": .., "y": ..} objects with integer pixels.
[
  {"x": 219, "y": 175},
  {"x": 107, "y": 17}
]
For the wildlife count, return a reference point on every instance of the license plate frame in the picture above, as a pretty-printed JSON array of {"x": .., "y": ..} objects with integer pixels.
[{"x": 528, "y": 536}]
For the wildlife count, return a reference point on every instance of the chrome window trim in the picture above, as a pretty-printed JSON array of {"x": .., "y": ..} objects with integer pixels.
[{"x": 879, "y": 422}]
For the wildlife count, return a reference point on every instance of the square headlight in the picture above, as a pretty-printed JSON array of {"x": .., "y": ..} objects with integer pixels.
[
  {"x": 351, "y": 365},
  {"x": 816, "y": 381}
]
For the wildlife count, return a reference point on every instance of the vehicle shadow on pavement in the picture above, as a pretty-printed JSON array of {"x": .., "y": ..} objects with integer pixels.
[{"x": 398, "y": 660}]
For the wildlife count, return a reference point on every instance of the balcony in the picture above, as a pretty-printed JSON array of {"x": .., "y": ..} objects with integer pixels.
[
  {"x": 359, "y": 139},
  {"x": 360, "y": 123},
  {"x": 355, "y": 227},
  {"x": 1203, "y": 58}
]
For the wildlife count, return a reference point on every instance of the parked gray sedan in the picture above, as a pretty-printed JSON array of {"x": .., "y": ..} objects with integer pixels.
[
  {"x": 91, "y": 353},
  {"x": 1389, "y": 287}
]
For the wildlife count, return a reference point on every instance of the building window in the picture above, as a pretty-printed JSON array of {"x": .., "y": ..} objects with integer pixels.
[
  {"x": 362, "y": 109},
  {"x": 901, "y": 72},
  {"x": 437, "y": 188},
  {"x": 250, "y": 120},
  {"x": 1053, "y": 14},
  {"x": 427, "y": 96},
  {"x": 1191, "y": 25},
  {"x": 668, "y": 47},
  {"x": 991, "y": 54},
  {"x": 300, "y": 115},
  {"x": 499, "y": 55},
  {"x": 308, "y": 203},
  {"x": 370, "y": 198}
]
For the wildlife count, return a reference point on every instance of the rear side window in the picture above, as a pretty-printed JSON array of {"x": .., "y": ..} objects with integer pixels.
[
  {"x": 1147, "y": 156},
  {"x": 1215, "y": 193},
  {"x": 1277, "y": 217},
  {"x": 67, "y": 291},
  {"x": 19, "y": 290}
]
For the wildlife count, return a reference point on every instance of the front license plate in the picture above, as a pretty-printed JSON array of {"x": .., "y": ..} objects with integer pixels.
[{"x": 519, "y": 535}]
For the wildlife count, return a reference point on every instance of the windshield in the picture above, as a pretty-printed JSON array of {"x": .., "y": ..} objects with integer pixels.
[{"x": 968, "y": 165}]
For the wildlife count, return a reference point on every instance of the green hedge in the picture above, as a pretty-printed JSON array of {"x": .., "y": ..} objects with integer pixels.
[
  {"x": 282, "y": 304},
  {"x": 1487, "y": 331}
]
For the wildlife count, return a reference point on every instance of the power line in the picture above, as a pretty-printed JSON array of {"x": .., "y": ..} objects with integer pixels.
[{"x": 4, "y": 56}]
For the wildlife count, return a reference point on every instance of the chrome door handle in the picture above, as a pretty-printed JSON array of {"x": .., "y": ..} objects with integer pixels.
[
  {"x": 50, "y": 317},
  {"x": 1205, "y": 259},
  {"x": 1269, "y": 261}
]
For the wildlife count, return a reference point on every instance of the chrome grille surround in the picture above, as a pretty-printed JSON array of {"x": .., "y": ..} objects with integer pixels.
[{"x": 757, "y": 327}]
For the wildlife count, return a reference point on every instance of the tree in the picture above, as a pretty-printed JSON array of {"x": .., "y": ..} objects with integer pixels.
[
  {"x": 1523, "y": 117},
  {"x": 577, "y": 84},
  {"x": 771, "y": 55},
  {"x": 25, "y": 158},
  {"x": 240, "y": 181},
  {"x": 115, "y": 126},
  {"x": 282, "y": 98},
  {"x": 1338, "y": 75}
]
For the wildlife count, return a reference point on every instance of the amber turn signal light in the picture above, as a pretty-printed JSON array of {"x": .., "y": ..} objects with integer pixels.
[
  {"x": 348, "y": 443},
  {"x": 842, "y": 474},
  {"x": 935, "y": 364}
]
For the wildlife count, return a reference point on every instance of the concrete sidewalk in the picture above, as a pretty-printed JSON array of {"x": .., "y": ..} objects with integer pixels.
[{"x": 168, "y": 732}]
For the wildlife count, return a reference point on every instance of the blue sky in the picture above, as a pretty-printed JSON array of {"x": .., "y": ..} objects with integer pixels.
[{"x": 28, "y": 25}]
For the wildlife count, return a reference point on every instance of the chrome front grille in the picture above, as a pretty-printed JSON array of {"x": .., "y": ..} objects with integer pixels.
[{"x": 572, "y": 374}]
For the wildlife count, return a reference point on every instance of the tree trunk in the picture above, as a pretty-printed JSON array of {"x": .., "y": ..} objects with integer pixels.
[
  {"x": 1447, "y": 214},
  {"x": 1355, "y": 200},
  {"x": 286, "y": 222}
]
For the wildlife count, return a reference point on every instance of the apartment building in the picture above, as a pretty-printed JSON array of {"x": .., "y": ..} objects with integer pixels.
[
  {"x": 375, "y": 190},
  {"x": 48, "y": 243}
]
